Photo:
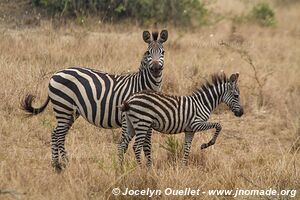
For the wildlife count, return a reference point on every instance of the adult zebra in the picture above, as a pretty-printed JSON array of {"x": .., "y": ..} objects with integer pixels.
[
  {"x": 95, "y": 95},
  {"x": 148, "y": 110}
]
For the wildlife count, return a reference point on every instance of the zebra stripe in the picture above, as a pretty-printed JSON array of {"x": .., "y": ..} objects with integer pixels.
[
  {"x": 168, "y": 114},
  {"x": 96, "y": 95}
]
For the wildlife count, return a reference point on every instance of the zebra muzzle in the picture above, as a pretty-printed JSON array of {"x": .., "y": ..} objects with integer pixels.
[
  {"x": 156, "y": 70},
  {"x": 239, "y": 113}
]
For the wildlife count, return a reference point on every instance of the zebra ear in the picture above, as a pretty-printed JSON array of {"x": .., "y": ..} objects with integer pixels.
[
  {"x": 147, "y": 36},
  {"x": 237, "y": 75},
  {"x": 234, "y": 77},
  {"x": 163, "y": 36}
]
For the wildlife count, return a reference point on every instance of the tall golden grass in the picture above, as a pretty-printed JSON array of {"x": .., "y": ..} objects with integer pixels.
[{"x": 258, "y": 151}]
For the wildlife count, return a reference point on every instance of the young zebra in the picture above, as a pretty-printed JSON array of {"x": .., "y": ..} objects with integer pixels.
[
  {"x": 168, "y": 114},
  {"x": 95, "y": 95}
]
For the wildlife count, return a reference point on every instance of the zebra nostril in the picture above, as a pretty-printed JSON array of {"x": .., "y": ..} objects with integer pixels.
[
  {"x": 156, "y": 66},
  {"x": 239, "y": 113},
  {"x": 242, "y": 111},
  {"x": 156, "y": 69}
]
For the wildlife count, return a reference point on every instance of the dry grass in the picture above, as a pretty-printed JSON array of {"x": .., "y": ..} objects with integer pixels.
[{"x": 259, "y": 150}]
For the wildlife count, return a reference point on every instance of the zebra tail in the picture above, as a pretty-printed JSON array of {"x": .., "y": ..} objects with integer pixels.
[
  {"x": 130, "y": 128},
  {"x": 125, "y": 107},
  {"x": 26, "y": 105}
]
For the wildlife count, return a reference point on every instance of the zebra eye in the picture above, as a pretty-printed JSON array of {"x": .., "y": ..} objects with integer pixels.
[
  {"x": 236, "y": 95},
  {"x": 163, "y": 52}
]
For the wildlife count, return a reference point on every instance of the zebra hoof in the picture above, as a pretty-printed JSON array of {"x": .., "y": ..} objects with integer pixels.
[
  {"x": 149, "y": 166},
  {"x": 57, "y": 167},
  {"x": 63, "y": 165},
  {"x": 204, "y": 146},
  {"x": 184, "y": 163}
]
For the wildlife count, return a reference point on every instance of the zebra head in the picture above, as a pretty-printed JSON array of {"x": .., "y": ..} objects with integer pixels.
[
  {"x": 155, "y": 53},
  {"x": 232, "y": 96}
]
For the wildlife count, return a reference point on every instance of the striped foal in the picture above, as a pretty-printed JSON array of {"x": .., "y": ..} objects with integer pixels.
[
  {"x": 168, "y": 114},
  {"x": 95, "y": 95}
]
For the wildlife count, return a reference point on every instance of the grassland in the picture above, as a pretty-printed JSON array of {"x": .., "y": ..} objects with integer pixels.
[{"x": 258, "y": 151}]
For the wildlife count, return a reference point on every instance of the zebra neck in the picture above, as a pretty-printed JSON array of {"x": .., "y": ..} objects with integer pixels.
[
  {"x": 208, "y": 98},
  {"x": 147, "y": 81}
]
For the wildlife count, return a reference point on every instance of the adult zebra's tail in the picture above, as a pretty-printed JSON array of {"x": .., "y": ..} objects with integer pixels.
[
  {"x": 125, "y": 107},
  {"x": 26, "y": 105}
]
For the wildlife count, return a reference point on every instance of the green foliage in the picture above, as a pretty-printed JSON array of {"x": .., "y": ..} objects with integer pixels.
[
  {"x": 173, "y": 147},
  {"x": 64, "y": 7},
  {"x": 239, "y": 19},
  {"x": 263, "y": 14},
  {"x": 178, "y": 12},
  {"x": 184, "y": 12}
]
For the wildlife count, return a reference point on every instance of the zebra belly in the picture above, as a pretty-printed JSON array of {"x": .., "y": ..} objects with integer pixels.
[
  {"x": 173, "y": 127},
  {"x": 107, "y": 115},
  {"x": 164, "y": 131},
  {"x": 104, "y": 117}
]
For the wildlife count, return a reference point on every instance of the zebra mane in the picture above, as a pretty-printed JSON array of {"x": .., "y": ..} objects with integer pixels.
[
  {"x": 155, "y": 35},
  {"x": 216, "y": 79},
  {"x": 144, "y": 61}
]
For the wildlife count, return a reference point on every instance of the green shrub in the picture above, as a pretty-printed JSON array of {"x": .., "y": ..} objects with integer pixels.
[
  {"x": 173, "y": 147},
  {"x": 263, "y": 14},
  {"x": 184, "y": 12}
]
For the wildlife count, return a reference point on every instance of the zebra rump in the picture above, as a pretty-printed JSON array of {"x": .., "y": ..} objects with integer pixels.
[{"x": 125, "y": 106}]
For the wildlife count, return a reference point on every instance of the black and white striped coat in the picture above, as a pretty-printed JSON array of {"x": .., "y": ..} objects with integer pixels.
[
  {"x": 96, "y": 95},
  {"x": 168, "y": 114}
]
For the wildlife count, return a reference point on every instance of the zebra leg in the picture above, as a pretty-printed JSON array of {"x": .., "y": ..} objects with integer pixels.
[
  {"x": 209, "y": 125},
  {"x": 127, "y": 135},
  {"x": 147, "y": 148},
  {"x": 141, "y": 133},
  {"x": 57, "y": 146},
  {"x": 61, "y": 132},
  {"x": 54, "y": 150},
  {"x": 187, "y": 146},
  {"x": 123, "y": 144},
  {"x": 64, "y": 123}
]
